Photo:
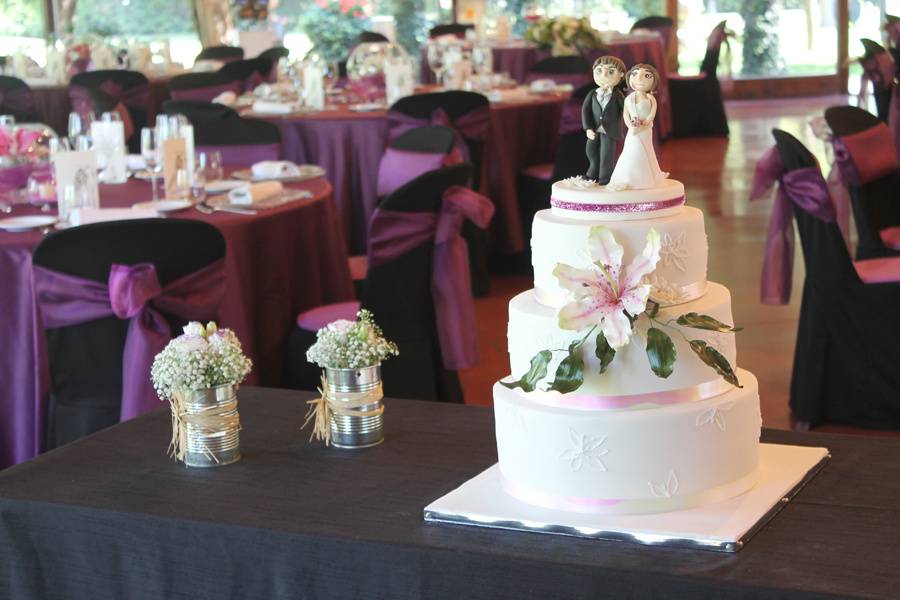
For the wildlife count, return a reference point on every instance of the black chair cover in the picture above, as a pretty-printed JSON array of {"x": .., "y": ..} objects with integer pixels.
[
  {"x": 652, "y": 22},
  {"x": 881, "y": 89},
  {"x": 562, "y": 65},
  {"x": 370, "y": 37},
  {"x": 221, "y": 53},
  {"x": 876, "y": 204},
  {"x": 399, "y": 295},
  {"x": 242, "y": 70},
  {"x": 190, "y": 81},
  {"x": 22, "y": 111},
  {"x": 435, "y": 139},
  {"x": 457, "y": 104},
  {"x": 845, "y": 362},
  {"x": 92, "y": 80},
  {"x": 275, "y": 53},
  {"x": 457, "y": 29},
  {"x": 697, "y": 105},
  {"x": 86, "y": 359},
  {"x": 218, "y": 125}
]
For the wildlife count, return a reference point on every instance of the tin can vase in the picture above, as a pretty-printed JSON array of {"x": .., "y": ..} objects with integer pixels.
[
  {"x": 212, "y": 427},
  {"x": 357, "y": 419}
]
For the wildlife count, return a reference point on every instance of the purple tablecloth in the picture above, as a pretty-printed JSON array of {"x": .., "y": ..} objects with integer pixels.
[
  {"x": 278, "y": 263},
  {"x": 517, "y": 60},
  {"x": 349, "y": 146}
]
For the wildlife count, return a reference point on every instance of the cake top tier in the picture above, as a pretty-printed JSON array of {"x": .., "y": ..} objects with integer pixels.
[{"x": 579, "y": 198}]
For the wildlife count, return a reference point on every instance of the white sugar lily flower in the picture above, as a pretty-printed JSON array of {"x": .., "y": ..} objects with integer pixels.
[
  {"x": 603, "y": 293},
  {"x": 195, "y": 328}
]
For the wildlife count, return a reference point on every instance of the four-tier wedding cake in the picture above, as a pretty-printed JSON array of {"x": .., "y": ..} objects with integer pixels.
[{"x": 624, "y": 395}]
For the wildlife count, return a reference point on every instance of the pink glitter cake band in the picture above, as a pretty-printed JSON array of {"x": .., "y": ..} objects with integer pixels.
[{"x": 629, "y": 207}]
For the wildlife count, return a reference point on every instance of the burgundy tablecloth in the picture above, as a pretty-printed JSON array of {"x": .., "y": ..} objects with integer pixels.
[
  {"x": 51, "y": 103},
  {"x": 278, "y": 263},
  {"x": 349, "y": 146},
  {"x": 517, "y": 60}
]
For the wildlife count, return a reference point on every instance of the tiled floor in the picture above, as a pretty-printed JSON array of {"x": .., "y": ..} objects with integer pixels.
[{"x": 717, "y": 174}]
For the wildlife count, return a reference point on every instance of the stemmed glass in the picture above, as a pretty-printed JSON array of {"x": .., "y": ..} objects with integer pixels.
[
  {"x": 150, "y": 152},
  {"x": 198, "y": 186},
  {"x": 330, "y": 76},
  {"x": 79, "y": 127},
  {"x": 182, "y": 184},
  {"x": 436, "y": 58},
  {"x": 211, "y": 165}
]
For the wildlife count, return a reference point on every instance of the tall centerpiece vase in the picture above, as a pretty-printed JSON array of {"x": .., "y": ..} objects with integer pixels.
[
  {"x": 199, "y": 373},
  {"x": 349, "y": 414}
]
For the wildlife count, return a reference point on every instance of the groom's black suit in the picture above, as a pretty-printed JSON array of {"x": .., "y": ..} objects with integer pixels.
[{"x": 601, "y": 149}]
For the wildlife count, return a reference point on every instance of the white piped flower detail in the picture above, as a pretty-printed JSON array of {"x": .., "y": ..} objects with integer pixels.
[
  {"x": 586, "y": 450},
  {"x": 663, "y": 291},
  {"x": 580, "y": 182},
  {"x": 667, "y": 489},
  {"x": 714, "y": 416},
  {"x": 672, "y": 251}
]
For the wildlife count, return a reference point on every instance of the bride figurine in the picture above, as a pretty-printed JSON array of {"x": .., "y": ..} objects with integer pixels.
[{"x": 637, "y": 167}]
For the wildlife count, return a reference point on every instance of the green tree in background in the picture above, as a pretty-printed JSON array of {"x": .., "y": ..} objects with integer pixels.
[
  {"x": 332, "y": 28},
  {"x": 409, "y": 21},
  {"x": 760, "y": 53},
  {"x": 21, "y": 18},
  {"x": 133, "y": 17}
]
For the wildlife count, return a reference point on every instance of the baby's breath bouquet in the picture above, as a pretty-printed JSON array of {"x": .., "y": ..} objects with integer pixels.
[
  {"x": 202, "y": 357},
  {"x": 347, "y": 344},
  {"x": 564, "y": 36}
]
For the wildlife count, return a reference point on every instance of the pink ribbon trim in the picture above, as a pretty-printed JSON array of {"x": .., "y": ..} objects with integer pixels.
[{"x": 627, "y": 207}]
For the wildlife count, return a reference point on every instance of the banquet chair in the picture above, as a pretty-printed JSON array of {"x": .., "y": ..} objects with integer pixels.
[
  {"x": 250, "y": 72},
  {"x": 662, "y": 25},
  {"x": 846, "y": 357},
  {"x": 468, "y": 114},
  {"x": 575, "y": 70},
  {"x": 535, "y": 181},
  {"x": 399, "y": 294},
  {"x": 878, "y": 67},
  {"x": 891, "y": 28},
  {"x": 222, "y": 53},
  {"x": 868, "y": 164},
  {"x": 16, "y": 99},
  {"x": 130, "y": 88},
  {"x": 86, "y": 360},
  {"x": 201, "y": 86},
  {"x": 457, "y": 29},
  {"x": 274, "y": 54},
  {"x": 370, "y": 37},
  {"x": 241, "y": 141},
  {"x": 697, "y": 105}
]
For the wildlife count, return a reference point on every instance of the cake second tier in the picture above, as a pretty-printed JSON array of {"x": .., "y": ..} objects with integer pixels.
[{"x": 628, "y": 381}]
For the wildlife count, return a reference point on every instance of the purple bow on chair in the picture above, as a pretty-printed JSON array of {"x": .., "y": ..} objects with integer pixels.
[
  {"x": 807, "y": 189},
  {"x": 394, "y": 233},
  {"x": 471, "y": 126},
  {"x": 17, "y": 99},
  {"x": 134, "y": 293},
  {"x": 134, "y": 97}
]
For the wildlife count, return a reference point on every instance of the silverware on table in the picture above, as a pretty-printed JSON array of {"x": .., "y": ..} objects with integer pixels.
[{"x": 208, "y": 210}]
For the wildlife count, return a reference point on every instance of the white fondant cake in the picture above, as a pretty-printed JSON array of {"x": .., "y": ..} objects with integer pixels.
[
  {"x": 621, "y": 438},
  {"x": 680, "y": 275}
]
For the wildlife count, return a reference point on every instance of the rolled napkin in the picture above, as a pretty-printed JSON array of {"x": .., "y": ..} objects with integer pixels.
[
  {"x": 269, "y": 107},
  {"x": 255, "y": 193},
  {"x": 83, "y": 216},
  {"x": 226, "y": 98},
  {"x": 274, "y": 169}
]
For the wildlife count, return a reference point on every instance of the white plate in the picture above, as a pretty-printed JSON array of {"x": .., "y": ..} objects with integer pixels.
[
  {"x": 146, "y": 175},
  {"x": 222, "y": 186},
  {"x": 163, "y": 206},
  {"x": 27, "y": 222},
  {"x": 367, "y": 106},
  {"x": 306, "y": 172}
]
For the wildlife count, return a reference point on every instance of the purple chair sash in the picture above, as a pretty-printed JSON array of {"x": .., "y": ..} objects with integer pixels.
[
  {"x": 805, "y": 188},
  {"x": 894, "y": 118},
  {"x": 394, "y": 233},
  {"x": 471, "y": 126},
  {"x": 398, "y": 167},
  {"x": 866, "y": 156},
  {"x": 244, "y": 154},
  {"x": 134, "y": 293},
  {"x": 206, "y": 93},
  {"x": 17, "y": 99},
  {"x": 137, "y": 97}
]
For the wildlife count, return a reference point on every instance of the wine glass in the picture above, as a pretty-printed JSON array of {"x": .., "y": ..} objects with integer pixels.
[
  {"x": 211, "y": 163},
  {"x": 68, "y": 202},
  {"x": 198, "y": 186},
  {"x": 150, "y": 152},
  {"x": 436, "y": 58},
  {"x": 182, "y": 188}
]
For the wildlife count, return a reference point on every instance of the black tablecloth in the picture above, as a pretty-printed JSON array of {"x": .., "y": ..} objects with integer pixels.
[{"x": 111, "y": 517}]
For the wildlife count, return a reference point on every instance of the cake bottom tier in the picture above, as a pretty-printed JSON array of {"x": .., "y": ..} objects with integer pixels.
[{"x": 629, "y": 461}]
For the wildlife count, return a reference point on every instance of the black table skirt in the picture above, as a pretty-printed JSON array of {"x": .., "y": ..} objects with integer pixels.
[{"x": 112, "y": 517}]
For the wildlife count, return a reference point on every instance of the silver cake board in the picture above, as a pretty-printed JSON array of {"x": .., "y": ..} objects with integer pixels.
[{"x": 722, "y": 527}]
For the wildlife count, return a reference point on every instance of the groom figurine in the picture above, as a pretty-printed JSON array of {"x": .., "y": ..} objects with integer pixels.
[{"x": 601, "y": 118}]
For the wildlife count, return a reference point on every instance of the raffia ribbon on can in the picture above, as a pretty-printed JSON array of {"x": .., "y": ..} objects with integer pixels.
[
  {"x": 343, "y": 404},
  {"x": 211, "y": 419}
]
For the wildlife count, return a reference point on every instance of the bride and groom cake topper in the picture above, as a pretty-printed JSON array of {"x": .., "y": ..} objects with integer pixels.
[{"x": 607, "y": 116}]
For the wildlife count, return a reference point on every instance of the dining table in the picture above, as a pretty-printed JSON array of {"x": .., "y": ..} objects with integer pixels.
[
  {"x": 349, "y": 142},
  {"x": 279, "y": 262},
  {"x": 112, "y": 516}
]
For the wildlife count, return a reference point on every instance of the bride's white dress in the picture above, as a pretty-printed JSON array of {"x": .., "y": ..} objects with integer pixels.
[{"x": 637, "y": 167}]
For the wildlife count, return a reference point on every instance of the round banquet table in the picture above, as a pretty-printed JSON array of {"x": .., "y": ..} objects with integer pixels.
[
  {"x": 348, "y": 145},
  {"x": 51, "y": 103},
  {"x": 278, "y": 263},
  {"x": 518, "y": 58}
]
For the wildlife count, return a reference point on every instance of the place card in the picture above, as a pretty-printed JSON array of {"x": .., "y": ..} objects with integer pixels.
[
  {"x": 76, "y": 170},
  {"x": 314, "y": 86},
  {"x": 174, "y": 157},
  {"x": 399, "y": 79}
]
